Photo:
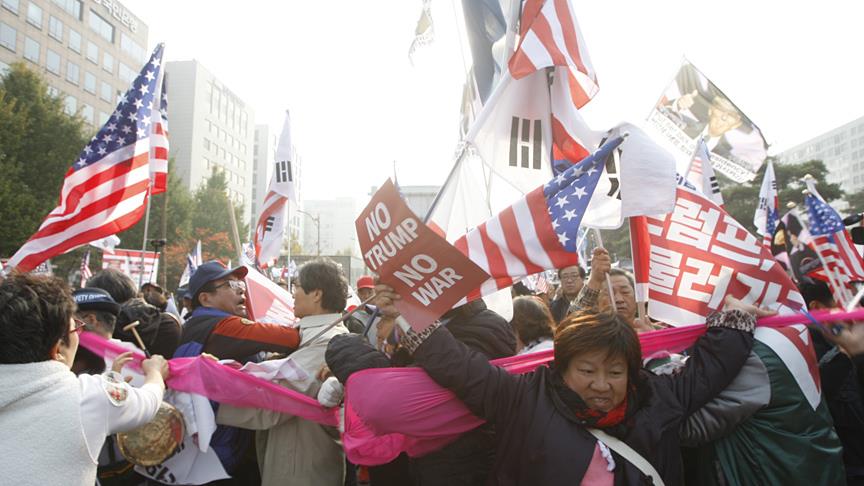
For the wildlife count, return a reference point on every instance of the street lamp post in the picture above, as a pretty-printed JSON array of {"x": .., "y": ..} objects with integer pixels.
[{"x": 317, "y": 221}]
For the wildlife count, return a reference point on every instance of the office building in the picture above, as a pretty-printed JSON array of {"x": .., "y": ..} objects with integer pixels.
[
  {"x": 212, "y": 129},
  {"x": 842, "y": 151},
  {"x": 88, "y": 52}
]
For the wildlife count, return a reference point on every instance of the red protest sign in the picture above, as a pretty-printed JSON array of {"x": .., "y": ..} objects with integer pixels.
[{"x": 429, "y": 273}]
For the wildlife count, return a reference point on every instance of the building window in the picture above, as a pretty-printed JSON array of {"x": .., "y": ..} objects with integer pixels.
[
  {"x": 127, "y": 75},
  {"x": 31, "y": 50},
  {"x": 92, "y": 52},
  {"x": 103, "y": 118},
  {"x": 54, "y": 92},
  {"x": 89, "y": 82},
  {"x": 52, "y": 62},
  {"x": 71, "y": 105},
  {"x": 105, "y": 91},
  {"x": 131, "y": 47},
  {"x": 34, "y": 15},
  {"x": 55, "y": 28},
  {"x": 4, "y": 68},
  {"x": 101, "y": 27},
  {"x": 206, "y": 144},
  {"x": 108, "y": 62},
  {"x": 73, "y": 75},
  {"x": 72, "y": 7},
  {"x": 87, "y": 113},
  {"x": 11, "y": 5},
  {"x": 7, "y": 37},
  {"x": 75, "y": 41}
]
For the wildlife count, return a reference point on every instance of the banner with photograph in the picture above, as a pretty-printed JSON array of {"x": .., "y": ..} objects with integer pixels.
[
  {"x": 131, "y": 263},
  {"x": 693, "y": 108}
]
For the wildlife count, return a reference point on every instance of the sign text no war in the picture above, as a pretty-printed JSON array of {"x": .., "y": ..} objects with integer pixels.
[{"x": 430, "y": 274}]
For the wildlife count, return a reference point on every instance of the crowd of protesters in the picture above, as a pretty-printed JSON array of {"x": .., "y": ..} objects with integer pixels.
[{"x": 728, "y": 410}]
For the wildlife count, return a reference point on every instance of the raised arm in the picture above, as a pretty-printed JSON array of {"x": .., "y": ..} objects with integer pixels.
[
  {"x": 716, "y": 359},
  {"x": 488, "y": 391}
]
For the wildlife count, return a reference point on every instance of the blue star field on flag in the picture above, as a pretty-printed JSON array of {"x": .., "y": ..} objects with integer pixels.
[
  {"x": 132, "y": 118},
  {"x": 824, "y": 220},
  {"x": 569, "y": 193}
]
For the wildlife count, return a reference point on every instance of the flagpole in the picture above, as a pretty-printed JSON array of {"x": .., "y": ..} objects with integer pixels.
[
  {"x": 608, "y": 278},
  {"x": 144, "y": 243},
  {"x": 472, "y": 132},
  {"x": 235, "y": 233}
]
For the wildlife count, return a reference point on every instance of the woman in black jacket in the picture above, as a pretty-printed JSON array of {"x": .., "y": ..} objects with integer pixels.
[{"x": 544, "y": 418}]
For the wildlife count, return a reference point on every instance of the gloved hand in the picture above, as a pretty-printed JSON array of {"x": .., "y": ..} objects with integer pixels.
[{"x": 331, "y": 392}]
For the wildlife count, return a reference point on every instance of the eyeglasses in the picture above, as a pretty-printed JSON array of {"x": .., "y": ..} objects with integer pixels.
[
  {"x": 238, "y": 286},
  {"x": 570, "y": 278},
  {"x": 79, "y": 326}
]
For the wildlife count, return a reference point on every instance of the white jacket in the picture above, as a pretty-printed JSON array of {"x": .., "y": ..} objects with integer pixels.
[{"x": 53, "y": 424}]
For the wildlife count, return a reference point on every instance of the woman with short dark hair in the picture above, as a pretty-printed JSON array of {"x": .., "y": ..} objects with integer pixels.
[
  {"x": 533, "y": 324},
  {"x": 594, "y": 416},
  {"x": 54, "y": 423}
]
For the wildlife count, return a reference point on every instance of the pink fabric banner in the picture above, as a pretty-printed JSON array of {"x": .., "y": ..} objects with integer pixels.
[
  {"x": 224, "y": 384},
  {"x": 377, "y": 428}
]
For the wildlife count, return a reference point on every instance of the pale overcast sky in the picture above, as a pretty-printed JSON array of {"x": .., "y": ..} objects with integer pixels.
[{"x": 357, "y": 104}]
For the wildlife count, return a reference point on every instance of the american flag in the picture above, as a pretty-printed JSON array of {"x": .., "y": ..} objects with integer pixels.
[
  {"x": 86, "y": 274},
  {"x": 768, "y": 212},
  {"x": 159, "y": 146},
  {"x": 539, "y": 231},
  {"x": 106, "y": 189},
  {"x": 831, "y": 241},
  {"x": 550, "y": 36}
]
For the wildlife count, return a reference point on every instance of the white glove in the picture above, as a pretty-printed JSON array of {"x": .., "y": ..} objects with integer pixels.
[{"x": 330, "y": 393}]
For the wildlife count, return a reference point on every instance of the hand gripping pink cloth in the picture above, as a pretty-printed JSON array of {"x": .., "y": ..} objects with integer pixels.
[{"x": 392, "y": 410}]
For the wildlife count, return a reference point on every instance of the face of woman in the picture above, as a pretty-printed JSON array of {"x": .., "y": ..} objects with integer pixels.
[
  {"x": 599, "y": 379},
  {"x": 67, "y": 352}
]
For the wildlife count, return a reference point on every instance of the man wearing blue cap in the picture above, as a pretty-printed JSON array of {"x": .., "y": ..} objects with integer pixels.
[{"x": 218, "y": 326}]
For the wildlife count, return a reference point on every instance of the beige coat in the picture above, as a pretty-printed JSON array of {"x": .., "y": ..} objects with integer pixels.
[{"x": 294, "y": 451}]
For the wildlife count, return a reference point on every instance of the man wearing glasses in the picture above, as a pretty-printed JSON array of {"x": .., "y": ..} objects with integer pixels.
[
  {"x": 218, "y": 326},
  {"x": 572, "y": 279}
]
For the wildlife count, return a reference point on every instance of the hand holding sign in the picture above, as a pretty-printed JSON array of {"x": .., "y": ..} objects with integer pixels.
[{"x": 428, "y": 273}]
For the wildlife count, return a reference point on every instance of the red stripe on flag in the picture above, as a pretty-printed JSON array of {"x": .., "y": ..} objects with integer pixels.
[
  {"x": 93, "y": 208},
  {"x": 497, "y": 267},
  {"x": 577, "y": 94},
  {"x": 568, "y": 147},
  {"x": 543, "y": 31},
  {"x": 33, "y": 260},
  {"x": 116, "y": 171},
  {"x": 568, "y": 27},
  {"x": 545, "y": 234},
  {"x": 515, "y": 243}
]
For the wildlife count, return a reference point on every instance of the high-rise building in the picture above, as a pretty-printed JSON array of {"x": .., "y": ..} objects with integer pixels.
[
  {"x": 88, "y": 52},
  {"x": 262, "y": 165},
  {"x": 842, "y": 151},
  {"x": 212, "y": 129}
]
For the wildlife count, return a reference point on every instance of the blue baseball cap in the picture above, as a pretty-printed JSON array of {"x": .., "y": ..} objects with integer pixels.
[
  {"x": 210, "y": 271},
  {"x": 91, "y": 298}
]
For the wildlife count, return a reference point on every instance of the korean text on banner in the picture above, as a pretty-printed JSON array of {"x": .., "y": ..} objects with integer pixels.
[{"x": 430, "y": 274}]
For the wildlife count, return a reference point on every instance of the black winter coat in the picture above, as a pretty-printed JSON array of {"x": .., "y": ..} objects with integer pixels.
[{"x": 541, "y": 442}]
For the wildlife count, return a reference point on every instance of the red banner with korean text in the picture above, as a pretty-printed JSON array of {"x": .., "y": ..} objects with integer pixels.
[{"x": 700, "y": 254}]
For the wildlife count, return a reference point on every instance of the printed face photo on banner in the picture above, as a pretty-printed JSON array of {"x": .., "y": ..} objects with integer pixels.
[{"x": 692, "y": 107}]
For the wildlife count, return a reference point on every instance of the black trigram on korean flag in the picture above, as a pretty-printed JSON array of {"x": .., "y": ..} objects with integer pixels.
[
  {"x": 715, "y": 186},
  {"x": 283, "y": 172},
  {"x": 268, "y": 225},
  {"x": 526, "y": 137}
]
